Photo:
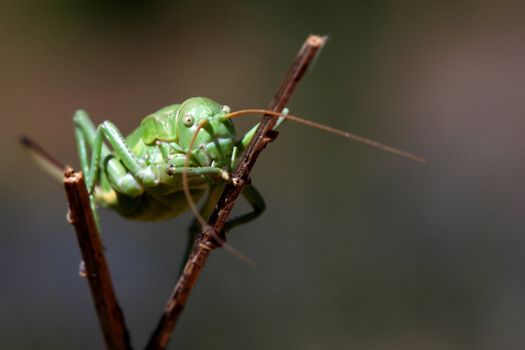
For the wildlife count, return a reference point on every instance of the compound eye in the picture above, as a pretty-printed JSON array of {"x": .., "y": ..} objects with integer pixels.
[
  {"x": 226, "y": 109},
  {"x": 188, "y": 120}
]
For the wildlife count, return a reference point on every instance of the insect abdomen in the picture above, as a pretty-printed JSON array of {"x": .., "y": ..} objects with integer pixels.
[{"x": 149, "y": 208}]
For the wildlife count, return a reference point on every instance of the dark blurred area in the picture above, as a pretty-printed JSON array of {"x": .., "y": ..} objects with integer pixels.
[{"x": 358, "y": 249}]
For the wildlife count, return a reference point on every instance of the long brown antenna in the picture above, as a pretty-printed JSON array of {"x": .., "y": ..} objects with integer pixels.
[{"x": 329, "y": 129}]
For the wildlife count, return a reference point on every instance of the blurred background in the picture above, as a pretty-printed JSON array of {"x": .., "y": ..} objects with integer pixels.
[{"x": 358, "y": 249}]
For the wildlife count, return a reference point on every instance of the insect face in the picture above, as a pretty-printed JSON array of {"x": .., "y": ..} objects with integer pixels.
[
  {"x": 216, "y": 134},
  {"x": 208, "y": 113}
]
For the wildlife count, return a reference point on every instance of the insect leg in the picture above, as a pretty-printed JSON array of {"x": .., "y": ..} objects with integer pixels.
[
  {"x": 204, "y": 170},
  {"x": 256, "y": 201},
  {"x": 85, "y": 134},
  {"x": 120, "y": 178},
  {"x": 125, "y": 174},
  {"x": 82, "y": 150},
  {"x": 250, "y": 192},
  {"x": 241, "y": 145}
]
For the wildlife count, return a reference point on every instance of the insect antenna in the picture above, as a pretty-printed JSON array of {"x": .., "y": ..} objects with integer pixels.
[
  {"x": 228, "y": 247},
  {"x": 329, "y": 129},
  {"x": 185, "y": 185},
  {"x": 51, "y": 166}
]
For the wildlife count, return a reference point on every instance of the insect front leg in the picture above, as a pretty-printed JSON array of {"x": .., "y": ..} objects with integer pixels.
[
  {"x": 240, "y": 146},
  {"x": 176, "y": 167}
]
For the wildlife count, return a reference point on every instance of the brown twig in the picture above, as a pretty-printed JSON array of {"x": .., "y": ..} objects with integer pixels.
[
  {"x": 97, "y": 271},
  {"x": 207, "y": 241}
]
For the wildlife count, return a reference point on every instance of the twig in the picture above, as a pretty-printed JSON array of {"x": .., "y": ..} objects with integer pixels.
[
  {"x": 207, "y": 241},
  {"x": 97, "y": 272}
]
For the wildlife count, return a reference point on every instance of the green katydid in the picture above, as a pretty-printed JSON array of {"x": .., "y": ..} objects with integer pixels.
[{"x": 177, "y": 155}]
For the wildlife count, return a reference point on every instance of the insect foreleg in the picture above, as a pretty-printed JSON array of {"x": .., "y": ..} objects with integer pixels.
[
  {"x": 205, "y": 170},
  {"x": 241, "y": 145}
]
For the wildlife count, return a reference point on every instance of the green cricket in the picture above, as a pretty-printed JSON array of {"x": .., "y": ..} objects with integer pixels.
[{"x": 176, "y": 156}]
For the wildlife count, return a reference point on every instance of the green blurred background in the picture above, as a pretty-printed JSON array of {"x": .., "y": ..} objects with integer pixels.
[{"x": 359, "y": 249}]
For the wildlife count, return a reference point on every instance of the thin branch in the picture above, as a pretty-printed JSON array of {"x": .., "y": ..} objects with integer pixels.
[
  {"x": 207, "y": 241},
  {"x": 96, "y": 268}
]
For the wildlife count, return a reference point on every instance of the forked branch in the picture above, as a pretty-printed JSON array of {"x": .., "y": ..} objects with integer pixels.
[{"x": 207, "y": 241}]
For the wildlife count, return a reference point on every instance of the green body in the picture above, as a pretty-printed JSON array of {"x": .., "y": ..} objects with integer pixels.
[{"x": 141, "y": 176}]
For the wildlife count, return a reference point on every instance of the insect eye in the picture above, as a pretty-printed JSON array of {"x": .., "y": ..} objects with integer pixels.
[
  {"x": 188, "y": 120},
  {"x": 226, "y": 109}
]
